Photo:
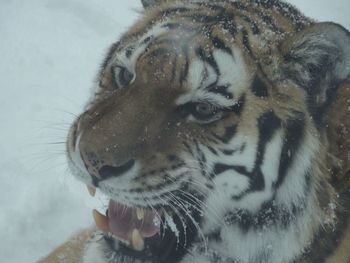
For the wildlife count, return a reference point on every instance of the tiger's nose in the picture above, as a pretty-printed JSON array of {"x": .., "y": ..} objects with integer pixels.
[
  {"x": 108, "y": 171},
  {"x": 102, "y": 166}
]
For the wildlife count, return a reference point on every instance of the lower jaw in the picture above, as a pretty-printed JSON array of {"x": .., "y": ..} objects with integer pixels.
[
  {"x": 132, "y": 237},
  {"x": 165, "y": 246},
  {"x": 159, "y": 248}
]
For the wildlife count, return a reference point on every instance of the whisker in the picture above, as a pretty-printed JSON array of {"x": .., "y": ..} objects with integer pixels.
[
  {"x": 200, "y": 232},
  {"x": 200, "y": 202},
  {"x": 179, "y": 215},
  {"x": 183, "y": 222}
]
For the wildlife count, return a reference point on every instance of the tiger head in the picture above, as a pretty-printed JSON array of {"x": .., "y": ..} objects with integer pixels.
[{"x": 202, "y": 108}]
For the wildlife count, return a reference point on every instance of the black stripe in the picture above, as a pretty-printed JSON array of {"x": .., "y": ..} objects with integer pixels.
[
  {"x": 222, "y": 17},
  {"x": 108, "y": 171},
  {"x": 220, "y": 44},
  {"x": 208, "y": 58},
  {"x": 229, "y": 152},
  {"x": 268, "y": 123},
  {"x": 257, "y": 181},
  {"x": 254, "y": 27},
  {"x": 211, "y": 139},
  {"x": 270, "y": 214},
  {"x": 174, "y": 69},
  {"x": 230, "y": 131},
  {"x": 95, "y": 181},
  {"x": 201, "y": 159},
  {"x": 228, "y": 23},
  {"x": 213, "y": 151},
  {"x": 245, "y": 41},
  {"x": 263, "y": 15},
  {"x": 215, "y": 235},
  {"x": 176, "y": 26},
  {"x": 188, "y": 148},
  {"x": 285, "y": 9},
  {"x": 147, "y": 40},
  {"x": 237, "y": 149},
  {"x": 298, "y": 20},
  {"x": 129, "y": 51},
  {"x": 220, "y": 168},
  {"x": 212, "y": 7},
  {"x": 222, "y": 90},
  {"x": 199, "y": 18},
  {"x": 295, "y": 129},
  {"x": 184, "y": 72},
  {"x": 238, "y": 107},
  {"x": 109, "y": 56},
  {"x": 150, "y": 23},
  {"x": 259, "y": 88},
  {"x": 158, "y": 52},
  {"x": 269, "y": 4},
  {"x": 165, "y": 41},
  {"x": 172, "y": 25},
  {"x": 269, "y": 21},
  {"x": 172, "y": 11},
  {"x": 238, "y": 5}
]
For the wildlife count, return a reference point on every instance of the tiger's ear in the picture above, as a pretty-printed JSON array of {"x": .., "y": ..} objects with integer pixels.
[
  {"x": 318, "y": 59},
  {"x": 151, "y": 3}
]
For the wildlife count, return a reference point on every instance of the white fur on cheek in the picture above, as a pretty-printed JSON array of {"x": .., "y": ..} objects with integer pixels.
[
  {"x": 269, "y": 168},
  {"x": 233, "y": 182},
  {"x": 292, "y": 190}
]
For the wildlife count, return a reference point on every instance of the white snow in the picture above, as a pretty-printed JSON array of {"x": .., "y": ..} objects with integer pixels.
[{"x": 50, "y": 51}]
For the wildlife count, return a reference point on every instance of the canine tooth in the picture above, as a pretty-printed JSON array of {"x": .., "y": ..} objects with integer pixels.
[
  {"x": 137, "y": 240},
  {"x": 91, "y": 189},
  {"x": 140, "y": 213},
  {"x": 100, "y": 220}
]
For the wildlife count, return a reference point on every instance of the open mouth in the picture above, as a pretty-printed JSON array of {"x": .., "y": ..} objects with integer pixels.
[
  {"x": 160, "y": 234},
  {"x": 130, "y": 225}
]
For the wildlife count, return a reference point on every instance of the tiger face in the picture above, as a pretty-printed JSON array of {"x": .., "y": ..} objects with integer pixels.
[{"x": 206, "y": 114}]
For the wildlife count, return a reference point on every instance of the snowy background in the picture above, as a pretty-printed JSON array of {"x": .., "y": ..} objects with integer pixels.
[{"x": 49, "y": 53}]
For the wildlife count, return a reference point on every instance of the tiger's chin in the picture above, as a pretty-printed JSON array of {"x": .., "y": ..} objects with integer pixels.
[{"x": 152, "y": 233}]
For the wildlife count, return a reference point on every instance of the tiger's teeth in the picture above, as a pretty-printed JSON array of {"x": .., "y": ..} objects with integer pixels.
[
  {"x": 100, "y": 220},
  {"x": 91, "y": 189},
  {"x": 137, "y": 240},
  {"x": 140, "y": 213}
]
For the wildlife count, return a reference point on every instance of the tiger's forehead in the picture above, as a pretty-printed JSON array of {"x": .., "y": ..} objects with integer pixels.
[
  {"x": 215, "y": 73},
  {"x": 158, "y": 37},
  {"x": 235, "y": 21}
]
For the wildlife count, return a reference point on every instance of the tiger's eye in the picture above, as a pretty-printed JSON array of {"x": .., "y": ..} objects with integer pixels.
[
  {"x": 200, "y": 111},
  {"x": 125, "y": 76},
  {"x": 205, "y": 109}
]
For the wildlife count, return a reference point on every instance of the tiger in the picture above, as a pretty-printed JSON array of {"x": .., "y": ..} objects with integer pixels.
[{"x": 219, "y": 130}]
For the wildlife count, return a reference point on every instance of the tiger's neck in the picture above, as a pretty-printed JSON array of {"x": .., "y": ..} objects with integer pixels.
[{"x": 276, "y": 224}]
